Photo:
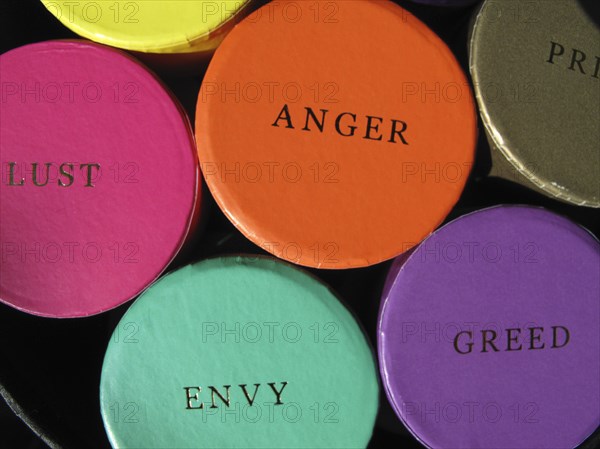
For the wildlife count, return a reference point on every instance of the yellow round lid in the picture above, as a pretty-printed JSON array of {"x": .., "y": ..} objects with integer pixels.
[{"x": 149, "y": 26}]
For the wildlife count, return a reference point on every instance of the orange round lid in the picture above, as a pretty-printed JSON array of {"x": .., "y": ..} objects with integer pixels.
[{"x": 335, "y": 134}]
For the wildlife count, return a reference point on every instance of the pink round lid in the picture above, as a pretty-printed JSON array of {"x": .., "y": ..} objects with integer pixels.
[{"x": 100, "y": 179}]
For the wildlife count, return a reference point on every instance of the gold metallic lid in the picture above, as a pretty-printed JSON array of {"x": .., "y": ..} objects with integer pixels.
[{"x": 535, "y": 67}]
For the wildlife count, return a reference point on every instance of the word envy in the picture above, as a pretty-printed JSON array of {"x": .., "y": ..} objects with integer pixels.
[{"x": 193, "y": 394}]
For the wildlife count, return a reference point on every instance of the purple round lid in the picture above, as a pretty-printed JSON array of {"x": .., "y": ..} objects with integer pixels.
[
  {"x": 489, "y": 333},
  {"x": 447, "y": 2}
]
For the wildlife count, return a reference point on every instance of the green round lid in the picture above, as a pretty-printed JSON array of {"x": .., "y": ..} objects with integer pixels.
[{"x": 238, "y": 352}]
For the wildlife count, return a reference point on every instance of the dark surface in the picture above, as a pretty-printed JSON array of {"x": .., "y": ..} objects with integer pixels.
[{"x": 50, "y": 369}]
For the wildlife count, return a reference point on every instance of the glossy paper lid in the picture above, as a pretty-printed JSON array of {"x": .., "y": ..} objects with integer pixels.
[
  {"x": 99, "y": 178},
  {"x": 489, "y": 334},
  {"x": 238, "y": 352},
  {"x": 149, "y": 26},
  {"x": 450, "y": 3},
  {"x": 536, "y": 69},
  {"x": 335, "y": 134}
]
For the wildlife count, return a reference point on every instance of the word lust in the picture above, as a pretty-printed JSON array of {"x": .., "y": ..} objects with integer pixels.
[
  {"x": 345, "y": 124},
  {"x": 41, "y": 176},
  {"x": 488, "y": 341},
  {"x": 193, "y": 394},
  {"x": 577, "y": 62}
]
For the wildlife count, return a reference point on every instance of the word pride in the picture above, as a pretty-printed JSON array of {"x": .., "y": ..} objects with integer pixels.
[
  {"x": 192, "y": 395},
  {"x": 578, "y": 61}
]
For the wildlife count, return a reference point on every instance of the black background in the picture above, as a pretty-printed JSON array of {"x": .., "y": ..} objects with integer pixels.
[{"x": 50, "y": 369}]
